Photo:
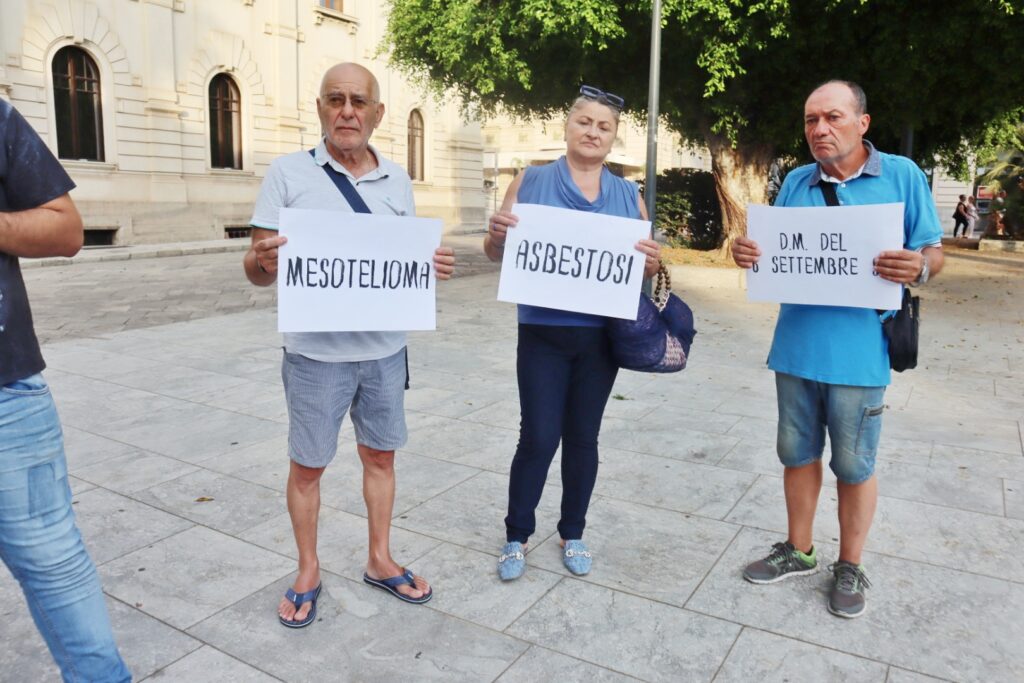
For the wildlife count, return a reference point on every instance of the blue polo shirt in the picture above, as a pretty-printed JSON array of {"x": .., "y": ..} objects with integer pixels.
[{"x": 841, "y": 344}]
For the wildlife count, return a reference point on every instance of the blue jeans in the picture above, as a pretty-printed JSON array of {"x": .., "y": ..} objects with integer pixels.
[
  {"x": 565, "y": 377},
  {"x": 852, "y": 416},
  {"x": 40, "y": 543}
]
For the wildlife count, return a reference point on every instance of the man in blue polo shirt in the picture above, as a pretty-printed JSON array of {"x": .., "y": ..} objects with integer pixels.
[{"x": 831, "y": 363}]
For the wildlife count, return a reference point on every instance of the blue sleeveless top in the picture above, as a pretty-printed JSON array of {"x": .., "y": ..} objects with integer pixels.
[{"x": 552, "y": 185}]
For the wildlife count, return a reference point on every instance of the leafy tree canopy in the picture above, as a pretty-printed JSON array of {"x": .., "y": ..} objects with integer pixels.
[{"x": 735, "y": 73}]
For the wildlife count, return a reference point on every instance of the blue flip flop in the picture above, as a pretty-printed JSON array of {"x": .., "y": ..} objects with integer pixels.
[
  {"x": 391, "y": 586},
  {"x": 300, "y": 599}
]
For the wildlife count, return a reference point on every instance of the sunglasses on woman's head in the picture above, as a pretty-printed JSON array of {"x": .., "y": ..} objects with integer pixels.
[{"x": 611, "y": 99}]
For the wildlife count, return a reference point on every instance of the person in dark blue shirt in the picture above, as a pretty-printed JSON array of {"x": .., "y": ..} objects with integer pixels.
[{"x": 39, "y": 541}]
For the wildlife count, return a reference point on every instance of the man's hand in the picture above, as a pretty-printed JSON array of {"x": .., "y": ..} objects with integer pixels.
[
  {"x": 901, "y": 266},
  {"x": 745, "y": 252},
  {"x": 444, "y": 263},
  {"x": 651, "y": 251},
  {"x": 266, "y": 253}
]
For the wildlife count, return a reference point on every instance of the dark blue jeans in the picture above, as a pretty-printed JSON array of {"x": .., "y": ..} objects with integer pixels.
[{"x": 565, "y": 377}]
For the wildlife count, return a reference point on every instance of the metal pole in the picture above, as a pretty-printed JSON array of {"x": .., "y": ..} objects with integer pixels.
[{"x": 653, "y": 91}]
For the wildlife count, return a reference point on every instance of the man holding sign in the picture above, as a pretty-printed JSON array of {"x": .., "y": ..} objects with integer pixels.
[
  {"x": 831, "y": 362},
  {"x": 327, "y": 373}
]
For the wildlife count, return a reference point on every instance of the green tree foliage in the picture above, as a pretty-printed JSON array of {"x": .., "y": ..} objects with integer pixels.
[
  {"x": 688, "y": 212},
  {"x": 735, "y": 73}
]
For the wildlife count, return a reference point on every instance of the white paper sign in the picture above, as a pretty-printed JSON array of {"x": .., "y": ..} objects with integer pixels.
[
  {"x": 824, "y": 255},
  {"x": 573, "y": 260},
  {"x": 356, "y": 272}
]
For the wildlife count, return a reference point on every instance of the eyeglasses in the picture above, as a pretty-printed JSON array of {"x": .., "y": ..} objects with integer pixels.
[
  {"x": 611, "y": 99},
  {"x": 338, "y": 100}
]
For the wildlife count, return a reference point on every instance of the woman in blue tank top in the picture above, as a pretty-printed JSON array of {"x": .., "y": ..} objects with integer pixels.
[{"x": 563, "y": 362}]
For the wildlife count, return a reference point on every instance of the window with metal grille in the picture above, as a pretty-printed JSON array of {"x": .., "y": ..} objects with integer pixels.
[
  {"x": 76, "y": 101},
  {"x": 415, "y": 165},
  {"x": 225, "y": 123}
]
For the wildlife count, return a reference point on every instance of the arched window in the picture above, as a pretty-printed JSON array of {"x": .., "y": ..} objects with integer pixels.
[
  {"x": 76, "y": 99},
  {"x": 225, "y": 123},
  {"x": 416, "y": 145}
]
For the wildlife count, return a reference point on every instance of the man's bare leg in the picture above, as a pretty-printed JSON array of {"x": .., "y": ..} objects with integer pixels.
[
  {"x": 857, "y": 503},
  {"x": 304, "y": 508},
  {"x": 802, "y": 486},
  {"x": 379, "y": 494}
]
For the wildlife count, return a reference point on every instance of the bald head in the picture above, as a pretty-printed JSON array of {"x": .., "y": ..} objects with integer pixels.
[{"x": 350, "y": 73}]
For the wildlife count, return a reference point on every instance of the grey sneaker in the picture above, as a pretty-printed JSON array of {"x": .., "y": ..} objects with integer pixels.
[
  {"x": 782, "y": 562},
  {"x": 846, "y": 599}
]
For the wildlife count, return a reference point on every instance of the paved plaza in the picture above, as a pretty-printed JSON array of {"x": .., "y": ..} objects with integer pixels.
[{"x": 166, "y": 373}]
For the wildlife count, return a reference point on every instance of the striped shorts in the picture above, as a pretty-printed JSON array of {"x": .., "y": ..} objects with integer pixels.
[{"x": 319, "y": 394}]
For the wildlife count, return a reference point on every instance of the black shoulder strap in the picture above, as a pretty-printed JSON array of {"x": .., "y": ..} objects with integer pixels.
[
  {"x": 344, "y": 185},
  {"x": 829, "y": 190}
]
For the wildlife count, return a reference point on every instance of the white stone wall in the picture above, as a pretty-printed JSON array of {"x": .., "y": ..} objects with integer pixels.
[{"x": 156, "y": 59}]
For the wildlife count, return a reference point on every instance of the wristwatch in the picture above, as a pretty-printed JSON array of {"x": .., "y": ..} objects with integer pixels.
[{"x": 922, "y": 277}]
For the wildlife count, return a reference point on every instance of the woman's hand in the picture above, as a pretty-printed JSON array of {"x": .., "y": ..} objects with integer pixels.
[
  {"x": 745, "y": 252},
  {"x": 498, "y": 225},
  {"x": 652, "y": 251},
  {"x": 444, "y": 263}
]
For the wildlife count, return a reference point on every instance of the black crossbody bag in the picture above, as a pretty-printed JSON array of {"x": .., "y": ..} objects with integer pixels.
[
  {"x": 901, "y": 329},
  {"x": 344, "y": 186}
]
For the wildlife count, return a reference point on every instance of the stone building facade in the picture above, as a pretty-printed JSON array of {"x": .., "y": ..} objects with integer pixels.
[{"x": 167, "y": 113}]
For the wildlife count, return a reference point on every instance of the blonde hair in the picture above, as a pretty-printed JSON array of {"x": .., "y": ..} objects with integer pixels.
[{"x": 581, "y": 100}]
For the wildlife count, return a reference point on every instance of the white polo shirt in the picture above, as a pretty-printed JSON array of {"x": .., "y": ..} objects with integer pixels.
[{"x": 298, "y": 181}]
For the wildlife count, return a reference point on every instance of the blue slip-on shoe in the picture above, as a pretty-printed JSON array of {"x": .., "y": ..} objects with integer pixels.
[
  {"x": 391, "y": 586},
  {"x": 576, "y": 557},
  {"x": 512, "y": 561},
  {"x": 300, "y": 599}
]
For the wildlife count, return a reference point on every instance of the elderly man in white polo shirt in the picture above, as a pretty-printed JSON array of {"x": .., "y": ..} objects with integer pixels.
[{"x": 327, "y": 374}]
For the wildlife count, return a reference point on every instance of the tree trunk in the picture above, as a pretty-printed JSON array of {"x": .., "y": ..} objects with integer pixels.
[{"x": 741, "y": 178}]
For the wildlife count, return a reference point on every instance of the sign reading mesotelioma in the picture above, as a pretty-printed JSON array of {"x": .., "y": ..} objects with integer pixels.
[
  {"x": 354, "y": 272},
  {"x": 824, "y": 255},
  {"x": 573, "y": 260}
]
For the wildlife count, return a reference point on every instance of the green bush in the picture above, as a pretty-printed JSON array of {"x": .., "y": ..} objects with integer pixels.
[{"x": 687, "y": 211}]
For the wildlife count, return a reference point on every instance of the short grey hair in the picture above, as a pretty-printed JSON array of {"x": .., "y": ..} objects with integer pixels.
[
  {"x": 859, "y": 98},
  {"x": 581, "y": 100}
]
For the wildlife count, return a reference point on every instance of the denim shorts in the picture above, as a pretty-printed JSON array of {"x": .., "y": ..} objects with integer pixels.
[
  {"x": 319, "y": 394},
  {"x": 851, "y": 415}
]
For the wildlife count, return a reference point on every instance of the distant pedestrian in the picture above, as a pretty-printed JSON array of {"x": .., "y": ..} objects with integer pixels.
[
  {"x": 971, "y": 210},
  {"x": 960, "y": 216},
  {"x": 39, "y": 541}
]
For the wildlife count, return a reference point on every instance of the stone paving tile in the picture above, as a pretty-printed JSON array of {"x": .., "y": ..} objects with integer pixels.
[
  {"x": 145, "y": 643},
  {"x": 417, "y": 479},
  {"x": 993, "y": 434},
  {"x": 672, "y": 484},
  {"x": 185, "y": 578},
  {"x": 445, "y": 402},
  {"x": 656, "y": 554},
  {"x": 1013, "y": 495},
  {"x": 462, "y": 442},
  {"x": 472, "y": 514},
  {"x": 502, "y": 414},
  {"x": 933, "y": 632},
  {"x": 134, "y": 472},
  {"x": 638, "y": 637},
  {"x": 667, "y": 439},
  {"x": 192, "y": 432},
  {"x": 360, "y": 635},
  {"x": 540, "y": 664},
  {"x": 79, "y": 486},
  {"x": 84, "y": 449},
  {"x": 467, "y": 586},
  {"x": 924, "y": 484},
  {"x": 986, "y": 463},
  {"x": 113, "y": 525},
  {"x": 904, "y": 676},
  {"x": 768, "y": 658},
  {"x": 915, "y": 531},
  {"x": 210, "y": 666},
  {"x": 341, "y": 543},
  {"x": 215, "y": 500}
]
